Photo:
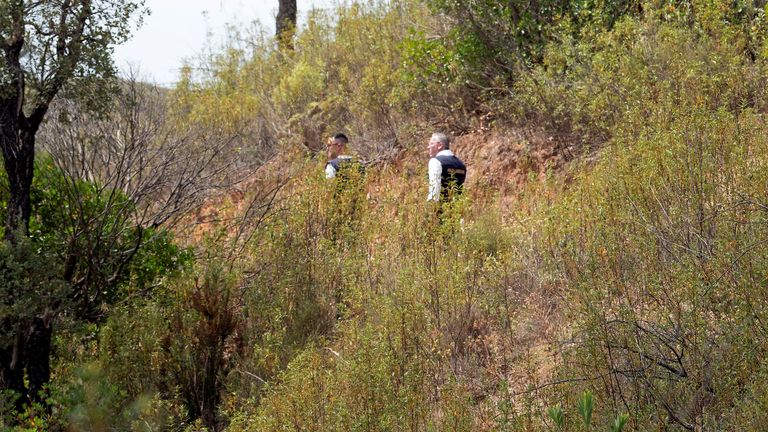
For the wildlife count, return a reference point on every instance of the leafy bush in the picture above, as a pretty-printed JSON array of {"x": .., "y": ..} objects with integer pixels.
[
  {"x": 83, "y": 255},
  {"x": 654, "y": 240},
  {"x": 89, "y": 234}
]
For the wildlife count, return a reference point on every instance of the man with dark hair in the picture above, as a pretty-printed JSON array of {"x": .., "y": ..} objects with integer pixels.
[
  {"x": 347, "y": 181},
  {"x": 446, "y": 171},
  {"x": 336, "y": 149}
]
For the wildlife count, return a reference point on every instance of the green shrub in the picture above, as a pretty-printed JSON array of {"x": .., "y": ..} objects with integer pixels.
[
  {"x": 653, "y": 241},
  {"x": 343, "y": 75}
]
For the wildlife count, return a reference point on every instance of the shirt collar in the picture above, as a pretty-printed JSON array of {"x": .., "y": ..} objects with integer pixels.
[{"x": 446, "y": 152}]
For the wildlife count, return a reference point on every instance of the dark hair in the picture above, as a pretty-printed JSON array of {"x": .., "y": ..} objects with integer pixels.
[{"x": 342, "y": 137}]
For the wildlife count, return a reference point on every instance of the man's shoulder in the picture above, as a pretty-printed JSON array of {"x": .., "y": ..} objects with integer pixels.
[
  {"x": 341, "y": 159},
  {"x": 448, "y": 158},
  {"x": 335, "y": 162},
  {"x": 347, "y": 163}
]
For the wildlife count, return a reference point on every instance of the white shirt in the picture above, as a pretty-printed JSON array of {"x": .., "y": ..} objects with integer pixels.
[
  {"x": 435, "y": 174},
  {"x": 330, "y": 171}
]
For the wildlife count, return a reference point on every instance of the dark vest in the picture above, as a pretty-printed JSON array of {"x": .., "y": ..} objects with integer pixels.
[
  {"x": 344, "y": 162},
  {"x": 453, "y": 174},
  {"x": 338, "y": 162},
  {"x": 343, "y": 165}
]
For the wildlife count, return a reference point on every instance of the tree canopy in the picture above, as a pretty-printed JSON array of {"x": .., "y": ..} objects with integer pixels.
[{"x": 49, "y": 47}]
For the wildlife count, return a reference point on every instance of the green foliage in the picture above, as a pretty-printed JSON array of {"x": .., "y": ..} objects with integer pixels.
[
  {"x": 646, "y": 236},
  {"x": 177, "y": 349},
  {"x": 87, "y": 230},
  {"x": 586, "y": 405},
  {"x": 87, "y": 401},
  {"x": 29, "y": 284},
  {"x": 556, "y": 414},
  {"x": 82, "y": 255},
  {"x": 587, "y": 87},
  {"x": 438, "y": 76},
  {"x": 585, "y": 408},
  {"x": 619, "y": 423},
  {"x": 158, "y": 257},
  {"x": 342, "y": 75},
  {"x": 130, "y": 346},
  {"x": 492, "y": 44},
  {"x": 66, "y": 46}
]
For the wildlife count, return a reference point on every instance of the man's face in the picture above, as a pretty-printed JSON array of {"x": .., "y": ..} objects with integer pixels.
[
  {"x": 333, "y": 148},
  {"x": 434, "y": 147}
]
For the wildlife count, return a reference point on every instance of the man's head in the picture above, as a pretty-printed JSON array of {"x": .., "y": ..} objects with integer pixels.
[
  {"x": 439, "y": 141},
  {"x": 336, "y": 145}
]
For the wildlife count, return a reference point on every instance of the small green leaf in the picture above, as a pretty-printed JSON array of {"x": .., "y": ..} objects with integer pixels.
[
  {"x": 556, "y": 414},
  {"x": 586, "y": 403},
  {"x": 619, "y": 423}
]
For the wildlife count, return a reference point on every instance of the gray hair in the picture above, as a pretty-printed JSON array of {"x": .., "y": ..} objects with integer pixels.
[{"x": 442, "y": 138}]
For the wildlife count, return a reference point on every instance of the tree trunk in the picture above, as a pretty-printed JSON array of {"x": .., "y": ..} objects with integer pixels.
[
  {"x": 17, "y": 141},
  {"x": 17, "y": 146},
  {"x": 38, "y": 358},
  {"x": 210, "y": 396},
  {"x": 18, "y": 157},
  {"x": 12, "y": 371},
  {"x": 286, "y": 24},
  {"x": 18, "y": 210},
  {"x": 32, "y": 345}
]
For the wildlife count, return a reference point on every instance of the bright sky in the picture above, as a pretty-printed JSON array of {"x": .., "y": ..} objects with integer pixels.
[{"x": 179, "y": 29}]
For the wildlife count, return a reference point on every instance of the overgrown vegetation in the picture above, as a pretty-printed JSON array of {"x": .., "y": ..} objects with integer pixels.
[{"x": 623, "y": 292}]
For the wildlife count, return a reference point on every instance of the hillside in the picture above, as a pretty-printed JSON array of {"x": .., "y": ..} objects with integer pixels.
[{"x": 603, "y": 270}]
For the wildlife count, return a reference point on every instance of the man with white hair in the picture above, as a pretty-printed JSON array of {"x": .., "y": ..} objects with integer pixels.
[{"x": 446, "y": 171}]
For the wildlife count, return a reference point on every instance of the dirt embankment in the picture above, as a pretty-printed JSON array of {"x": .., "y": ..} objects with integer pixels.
[
  {"x": 506, "y": 159},
  {"x": 500, "y": 161}
]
